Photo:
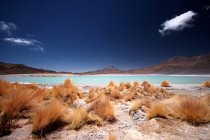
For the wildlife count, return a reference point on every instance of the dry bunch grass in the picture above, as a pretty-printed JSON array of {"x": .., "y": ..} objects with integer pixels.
[
  {"x": 158, "y": 109},
  {"x": 78, "y": 118},
  {"x": 206, "y": 84},
  {"x": 92, "y": 95},
  {"x": 112, "y": 136},
  {"x": 122, "y": 86},
  {"x": 165, "y": 84},
  {"x": 48, "y": 118},
  {"x": 111, "y": 85},
  {"x": 115, "y": 93},
  {"x": 145, "y": 83},
  {"x": 104, "y": 108},
  {"x": 188, "y": 108},
  {"x": 137, "y": 104},
  {"x": 135, "y": 84},
  {"x": 193, "y": 110}
]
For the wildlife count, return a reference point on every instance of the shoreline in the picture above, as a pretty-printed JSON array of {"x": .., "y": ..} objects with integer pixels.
[{"x": 120, "y": 74}]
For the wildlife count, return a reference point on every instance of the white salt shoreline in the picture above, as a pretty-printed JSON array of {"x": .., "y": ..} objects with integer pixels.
[{"x": 51, "y": 75}]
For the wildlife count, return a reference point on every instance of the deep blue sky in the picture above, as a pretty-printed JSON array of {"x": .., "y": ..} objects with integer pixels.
[{"x": 84, "y": 35}]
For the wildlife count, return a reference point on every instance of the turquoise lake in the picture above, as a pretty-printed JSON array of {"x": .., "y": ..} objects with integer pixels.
[{"x": 105, "y": 79}]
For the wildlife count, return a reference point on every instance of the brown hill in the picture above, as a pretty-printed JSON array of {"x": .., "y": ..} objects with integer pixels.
[
  {"x": 107, "y": 70},
  {"x": 178, "y": 65},
  {"x": 7, "y": 68}
]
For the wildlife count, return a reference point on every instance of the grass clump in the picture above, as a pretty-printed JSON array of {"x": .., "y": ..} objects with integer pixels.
[
  {"x": 187, "y": 108},
  {"x": 78, "y": 118},
  {"x": 206, "y": 84},
  {"x": 165, "y": 84},
  {"x": 104, "y": 108},
  {"x": 47, "y": 118},
  {"x": 193, "y": 110}
]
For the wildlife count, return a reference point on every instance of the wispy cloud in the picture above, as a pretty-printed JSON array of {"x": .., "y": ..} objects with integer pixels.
[
  {"x": 30, "y": 43},
  {"x": 7, "y": 27},
  {"x": 177, "y": 23}
]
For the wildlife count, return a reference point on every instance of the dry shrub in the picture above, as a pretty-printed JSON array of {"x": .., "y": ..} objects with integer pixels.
[
  {"x": 158, "y": 109},
  {"x": 165, "y": 84},
  {"x": 93, "y": 118},
  {"x": 122, "y": 86},
  {"x": 78, "y": 118},
  {"x": 145, "y": 83},
  {"x": 206, "y": 84},
  {"x": 112, "y": 136},
  {"x": 92, "y": 95},
  {"x": 48, "y": 117},
  {"x": 206, "y": 99},
  {"x": 137, "y": 104},
  {"x": 135, "y": 84},
  {"x": 192, "y": 109},
  {"x": 67, "y": 92},
  {"x": 18, "y": 102},
  {"x": 128, "y": 85},
  {"x": 111, "y": 85},
  {"x": 162, "y": 90},
  {"x": 129, "y": 96},
  {"x": 68, "y": 83},
  {"x": 104, "y": 108},
  {"x": 115, "y": 93},
  {"x": 188, "y": 108},
  {"x": 4, "y": 87},
  {"x": 150, "y": 89}
]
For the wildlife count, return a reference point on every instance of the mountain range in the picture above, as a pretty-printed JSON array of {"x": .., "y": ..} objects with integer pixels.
[{"x": 176, "y": 65}]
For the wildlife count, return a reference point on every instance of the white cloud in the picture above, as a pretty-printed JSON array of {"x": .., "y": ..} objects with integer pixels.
[
  {"x": 7, "y": 27},
  {"x": 177, "y": 23},
  {"x": 30, "y": 43}
]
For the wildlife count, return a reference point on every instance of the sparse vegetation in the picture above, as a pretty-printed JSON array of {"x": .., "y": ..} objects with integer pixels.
[
  {"x": 165, "y": 84},
  {"x": 50, "y": 109},
  {"x": 48, "y": 117},
  {"x": 206, "y": 84},
  {"x": 104, "y": 108}
]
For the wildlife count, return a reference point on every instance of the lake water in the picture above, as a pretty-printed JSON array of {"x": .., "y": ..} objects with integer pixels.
[{"x": 105, "y": 79}]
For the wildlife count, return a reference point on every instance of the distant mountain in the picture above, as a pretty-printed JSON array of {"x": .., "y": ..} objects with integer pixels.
[
  {"x": 7, "y": 68},
  {"x": 106, "y": 70},
  {"x": 178, "y": 65}
]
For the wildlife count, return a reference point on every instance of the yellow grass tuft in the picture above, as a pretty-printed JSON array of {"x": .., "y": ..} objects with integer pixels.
[
  {"x": 18, "y": 102},
  {"x": 158, "y": 109},
  {"x": 122, "y": 86},
  {"x": 115, "y": 93},
  {"x": 92, "y": 95},
  {"x": 135, "y": 84},
  {"x": 93, "y": 118},
  {"x": 137, "y": 104},
  {"x": 145, "y": 83},
  {"x": 206, "y": 84},
  {"x": 129, "y": 96},
  {"x": 150, "y": 89},
  {"x": 47, "y": 117},
  {"x": 4, "y": 87},
  {"x": 112, "y": 136},
  {"x": 78, "y": 118},
  {"x": 128, "y": 85},
  {"x": 192, "y": 109},
  {"x": 104, "y": 108},
  {"x": 165, "y": 84},
  {"x": 111, "y": 85}
]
